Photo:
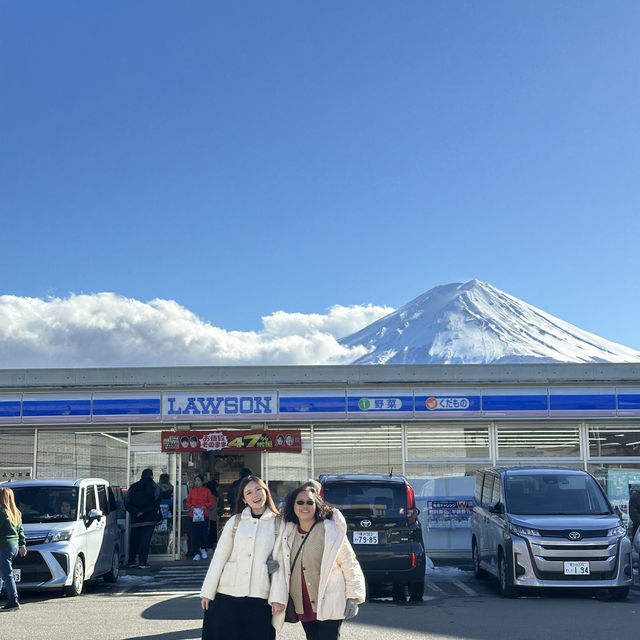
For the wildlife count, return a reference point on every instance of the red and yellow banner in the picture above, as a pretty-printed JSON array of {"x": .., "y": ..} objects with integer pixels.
[{"x": 193, "y": 441}]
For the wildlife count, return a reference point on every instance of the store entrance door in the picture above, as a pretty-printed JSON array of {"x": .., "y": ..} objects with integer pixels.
[
  {"x": 219, "y": 470},
  {"x": 167, "y": 473}
]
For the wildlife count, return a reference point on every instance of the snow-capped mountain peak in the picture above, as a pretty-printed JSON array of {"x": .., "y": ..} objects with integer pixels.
[{"x": 474, "y": 322}]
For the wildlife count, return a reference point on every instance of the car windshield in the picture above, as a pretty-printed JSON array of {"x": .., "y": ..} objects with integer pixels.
[
  {"x": 554, "y": 494},
  {"x": 378, "y": 500},
  {"x": 47, "y": 503}
]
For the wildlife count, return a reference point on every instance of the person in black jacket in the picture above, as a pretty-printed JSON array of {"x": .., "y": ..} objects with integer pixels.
[{"x": 143, "y": 504}]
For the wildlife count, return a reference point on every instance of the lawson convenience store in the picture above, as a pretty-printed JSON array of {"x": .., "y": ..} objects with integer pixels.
[{"x": 436, "y": 424}]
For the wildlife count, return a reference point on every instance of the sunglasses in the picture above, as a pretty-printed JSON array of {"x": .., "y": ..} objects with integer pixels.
[{"x": 309, "y": 502}]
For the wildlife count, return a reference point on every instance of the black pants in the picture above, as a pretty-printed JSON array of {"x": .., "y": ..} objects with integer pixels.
[
  {"x": 322, "y": 629},
  {"x": 229, "y": 618},
  {"x": 199, "y": 535},
  {"x": 139, "y": 542}
]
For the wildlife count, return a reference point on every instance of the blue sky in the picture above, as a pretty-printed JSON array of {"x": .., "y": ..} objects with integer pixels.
[{"x": 246, "y": 157}]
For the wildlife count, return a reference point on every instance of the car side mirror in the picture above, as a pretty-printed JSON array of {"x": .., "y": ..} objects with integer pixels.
[{"x": 95, "y": 514}]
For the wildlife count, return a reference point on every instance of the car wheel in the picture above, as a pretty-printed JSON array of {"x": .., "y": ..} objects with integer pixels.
[
  {"x": 398, "y": 592},
  {"x": 507, "y": 590},
  {"x": 77, "y": 584},
  {"x": 475, "y": 556},
  {"x": 619, "y": 593},
  {"x": 114, "y": 572},
  {"x": 416, "y": 590}
]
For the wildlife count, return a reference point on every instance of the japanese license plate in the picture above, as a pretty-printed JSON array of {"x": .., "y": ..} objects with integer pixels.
[
  {"x": 17, "y": 575},
  {"x": 365, "y": 537},
  {"x": 576, "y": 569}
]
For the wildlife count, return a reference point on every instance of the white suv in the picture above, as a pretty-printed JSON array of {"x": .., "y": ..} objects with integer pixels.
[{"x": 72, "y": 533}]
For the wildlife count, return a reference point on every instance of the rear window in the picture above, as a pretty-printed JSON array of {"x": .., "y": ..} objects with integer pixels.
[{"x": 378, "y": 500}]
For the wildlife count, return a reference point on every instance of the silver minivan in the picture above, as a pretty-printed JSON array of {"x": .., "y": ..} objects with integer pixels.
[
  {"x": 72, "y": 533},
  {"x": 548, "y": 527}
]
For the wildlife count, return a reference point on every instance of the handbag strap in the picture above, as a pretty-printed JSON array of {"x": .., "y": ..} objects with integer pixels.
[{"x": 293, "y": 564}]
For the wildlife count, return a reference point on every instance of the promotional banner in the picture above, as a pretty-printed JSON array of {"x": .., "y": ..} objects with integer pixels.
[
  {"x": 449, "y": 512},
  {"x": 288, "y": 440}
]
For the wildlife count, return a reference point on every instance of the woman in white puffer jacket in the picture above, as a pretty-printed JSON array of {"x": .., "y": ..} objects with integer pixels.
[
  {"x": 245, "y": 584},
  {"x": 326, "y": 583}
]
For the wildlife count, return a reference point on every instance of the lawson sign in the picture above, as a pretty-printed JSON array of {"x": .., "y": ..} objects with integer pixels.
[{"x": 204, "y": 406}]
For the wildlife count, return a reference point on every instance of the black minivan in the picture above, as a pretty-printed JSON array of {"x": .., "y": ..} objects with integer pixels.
[{"x": 383, "y": 528}]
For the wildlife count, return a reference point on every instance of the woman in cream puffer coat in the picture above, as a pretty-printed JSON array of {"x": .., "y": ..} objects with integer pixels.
[
  {"x": 244, "y": 587},
  {"x": 327, "y": 583}
]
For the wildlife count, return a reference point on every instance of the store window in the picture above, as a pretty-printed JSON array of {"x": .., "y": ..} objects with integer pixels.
[
  {"x": 444, "y": 496},
  {"x": 285, "y": 471},
  {"x": 358, "y": 449},
  {"x": 539, "y": 441},
  {"x": 16, "y": 455},
  {"x": 619, "y": 481},
  {"x": 428, "y": 441},
  {"x": 83, "y": 454},
  {"x": 614, "y": 440}
]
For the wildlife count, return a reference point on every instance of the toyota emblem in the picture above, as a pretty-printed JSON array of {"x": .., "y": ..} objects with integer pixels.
[
  {"x": 575, "y": 535},
  {"x": 365, "y": 523}
]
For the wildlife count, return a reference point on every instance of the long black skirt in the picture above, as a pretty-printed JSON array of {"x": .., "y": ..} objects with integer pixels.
[{"x": 229, "y": 618}]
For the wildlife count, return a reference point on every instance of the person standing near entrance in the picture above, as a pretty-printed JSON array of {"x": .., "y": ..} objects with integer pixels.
[
  {"x": 200, "y": 500},
  {"x": 12, "y": 542},
  {"x": 143, "y": 504}
]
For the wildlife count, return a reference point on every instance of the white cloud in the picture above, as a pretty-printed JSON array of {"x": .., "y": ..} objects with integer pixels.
[{"x": 105, "y": 329}]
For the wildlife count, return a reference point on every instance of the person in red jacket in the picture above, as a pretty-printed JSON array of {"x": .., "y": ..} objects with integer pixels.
[{"x": 200, "y": 500}]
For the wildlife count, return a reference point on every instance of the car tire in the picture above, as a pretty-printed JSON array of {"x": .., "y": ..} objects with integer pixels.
[
  {"x": 478, "y": 571},
  {"x": 77, "y": 584},
  {"x": 507, "y": 590},
  {"x": 619, "y": 593},
  {"x": 416, "y": 590},
  {"x": 114, "y": 572}
]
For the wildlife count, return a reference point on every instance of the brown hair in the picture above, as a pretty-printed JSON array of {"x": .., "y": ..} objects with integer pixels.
[
  {"x": 8, "y": 503},
  {"x": 240, "y": 503}
]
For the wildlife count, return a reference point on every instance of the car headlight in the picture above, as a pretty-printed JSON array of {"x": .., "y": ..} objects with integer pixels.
[
  {"x": 523, "y": 531},
  {"x": 60, "y": 535},
  {"x": 618, "y": 531}
]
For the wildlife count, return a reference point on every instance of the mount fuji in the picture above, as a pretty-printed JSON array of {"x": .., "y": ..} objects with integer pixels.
[{"x": 475, "y": 323}]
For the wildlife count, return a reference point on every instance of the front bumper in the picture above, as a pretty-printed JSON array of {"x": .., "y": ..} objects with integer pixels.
[
  {"x": 46, "y": 566},
  {"x": 539, "y": 562}
]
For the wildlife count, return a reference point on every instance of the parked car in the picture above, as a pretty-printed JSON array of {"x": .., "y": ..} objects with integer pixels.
[
  {"x": 548, "y": 527},
  {"x": 383, "y": 528},
  {"x": 72, "y": 533}
]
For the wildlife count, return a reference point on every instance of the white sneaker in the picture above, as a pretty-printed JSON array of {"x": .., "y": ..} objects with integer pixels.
[
  {"x": 203, "y": 552},
  {"x": 196, "y": 557}
]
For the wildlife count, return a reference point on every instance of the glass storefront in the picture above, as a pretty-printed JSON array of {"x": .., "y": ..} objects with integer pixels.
[
  {"x": 438, "y": 458},
  {"x": 16, "y": 455},
  {"x": 357, "y": 449},
  {"x": 537, "y": 441}
]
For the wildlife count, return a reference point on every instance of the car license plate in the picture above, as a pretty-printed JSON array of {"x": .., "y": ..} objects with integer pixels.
[
  {"x": 365, "y": 537},
  {"x": 17, "y": 575},
  {"x": 576, "y": 569}
]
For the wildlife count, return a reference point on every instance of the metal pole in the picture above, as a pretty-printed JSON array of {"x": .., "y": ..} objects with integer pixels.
[{"x": 34, "y": 472}]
